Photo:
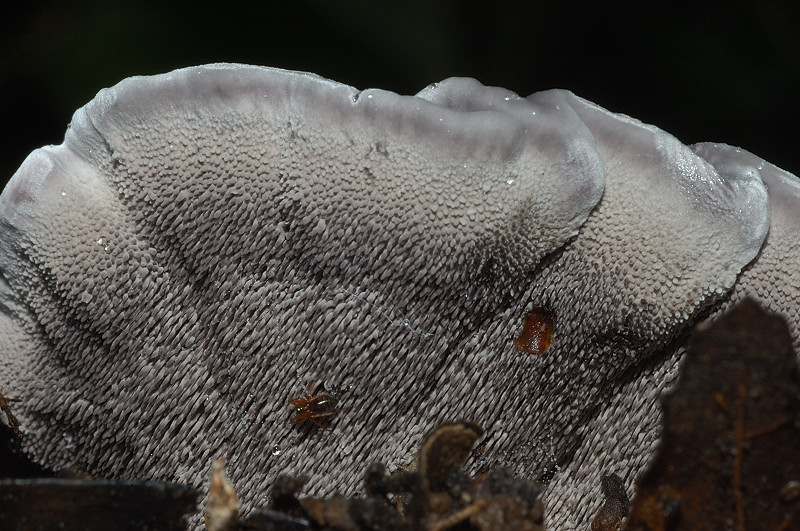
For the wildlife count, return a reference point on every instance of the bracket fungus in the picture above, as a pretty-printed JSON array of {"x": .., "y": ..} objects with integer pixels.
[{"x": 205, "y": 241}]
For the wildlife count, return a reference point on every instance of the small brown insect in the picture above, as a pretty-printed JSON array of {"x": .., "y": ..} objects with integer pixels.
[
  {"x": 317, "y": 409},
  {"x": 538, "y": 327}
]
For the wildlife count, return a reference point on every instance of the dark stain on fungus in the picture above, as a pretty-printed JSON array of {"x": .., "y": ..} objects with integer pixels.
[{"x": 538, "y": 327}]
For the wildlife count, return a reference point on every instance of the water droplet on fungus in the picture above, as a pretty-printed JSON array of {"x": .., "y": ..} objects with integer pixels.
[{"x": 538, "y": 326}]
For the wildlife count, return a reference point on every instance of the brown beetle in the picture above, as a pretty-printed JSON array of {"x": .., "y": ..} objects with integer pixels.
[{"x": 538, "y": 328}]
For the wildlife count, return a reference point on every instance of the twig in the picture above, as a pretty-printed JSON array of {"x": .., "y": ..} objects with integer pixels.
[{"x": 459, "y": 516}]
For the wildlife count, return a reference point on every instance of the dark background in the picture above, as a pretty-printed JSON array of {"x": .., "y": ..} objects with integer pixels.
[{"x": 724, "y": 73}]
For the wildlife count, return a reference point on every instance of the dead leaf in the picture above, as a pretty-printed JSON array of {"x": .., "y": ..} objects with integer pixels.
[{"x": 731, "y": 444}]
